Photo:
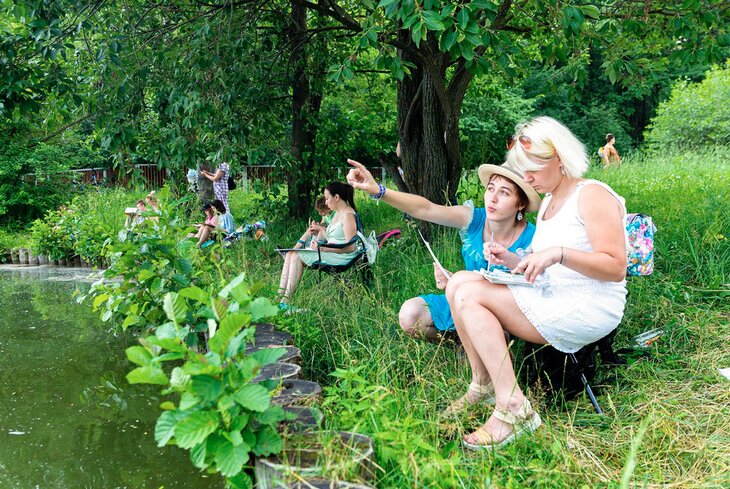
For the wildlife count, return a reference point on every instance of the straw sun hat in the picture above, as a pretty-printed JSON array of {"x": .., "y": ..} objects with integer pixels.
[{"x": 486, "y": 172}]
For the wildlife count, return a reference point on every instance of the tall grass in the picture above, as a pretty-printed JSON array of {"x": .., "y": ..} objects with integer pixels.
[{"x": 667, "y": 420}]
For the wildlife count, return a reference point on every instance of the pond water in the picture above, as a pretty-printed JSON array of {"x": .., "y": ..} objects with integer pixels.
[{"x": 68, "y": 417}]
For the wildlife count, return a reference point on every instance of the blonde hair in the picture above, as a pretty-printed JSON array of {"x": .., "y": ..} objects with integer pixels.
[
  {"x": 548, "y": 138},
  {"x": 151, "y": 197}
]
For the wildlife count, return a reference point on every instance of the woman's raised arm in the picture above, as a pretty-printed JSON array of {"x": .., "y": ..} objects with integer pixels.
[{"x": 419, "y": 207}]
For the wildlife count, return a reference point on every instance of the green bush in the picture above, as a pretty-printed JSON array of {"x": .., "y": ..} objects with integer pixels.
[
  {"x": 30, "y": 183},
  {"x": 696, "y": 115},
  {"x": 52, "y": 236}
]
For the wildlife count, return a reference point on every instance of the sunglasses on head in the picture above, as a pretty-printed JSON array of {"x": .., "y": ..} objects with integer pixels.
[{"x": 525, "y": 141}]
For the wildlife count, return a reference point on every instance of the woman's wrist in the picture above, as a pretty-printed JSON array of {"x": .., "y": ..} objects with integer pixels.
[{"x": 381, "y": 192}]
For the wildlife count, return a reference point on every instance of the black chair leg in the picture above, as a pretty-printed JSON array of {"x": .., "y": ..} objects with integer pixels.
[{"x": 587, "y": 386}]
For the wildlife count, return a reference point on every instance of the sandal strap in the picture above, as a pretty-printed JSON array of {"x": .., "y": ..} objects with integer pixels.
[
  {"x": 482, "y": 389},
  {"x": 521, "y": 416}
]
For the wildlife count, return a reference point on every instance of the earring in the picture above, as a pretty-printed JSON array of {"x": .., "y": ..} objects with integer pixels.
[
  {"x": 562, "y": 170},
  {"x": 519, "y": 215}
]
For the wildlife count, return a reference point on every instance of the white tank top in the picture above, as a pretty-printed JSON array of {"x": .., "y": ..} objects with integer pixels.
[{"x": 566, "y": 228}]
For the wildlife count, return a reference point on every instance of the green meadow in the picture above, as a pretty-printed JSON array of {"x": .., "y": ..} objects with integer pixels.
[{"x": 667, "y": 411}]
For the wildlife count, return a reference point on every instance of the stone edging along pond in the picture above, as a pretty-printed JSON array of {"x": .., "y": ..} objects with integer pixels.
[
  {"x": 300, "y": 463},
  {"x": 25, "y": 256}
]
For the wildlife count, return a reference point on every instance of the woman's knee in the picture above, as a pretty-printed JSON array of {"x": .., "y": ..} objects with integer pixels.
[
  {"x": 458, "y": 280},
  {"x": 414, "y": 315}
]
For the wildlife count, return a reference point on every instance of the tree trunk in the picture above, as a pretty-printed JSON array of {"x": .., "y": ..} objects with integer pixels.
[
  {"x": 305, "y": 108},
  {"x": 428, "y": 123}
]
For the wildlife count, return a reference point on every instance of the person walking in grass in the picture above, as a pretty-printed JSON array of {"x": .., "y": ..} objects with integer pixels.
[
  {"x": 609, "y": 154},
  {"x": 501, "y": 221},
  {"x": 580, "y": 241}
]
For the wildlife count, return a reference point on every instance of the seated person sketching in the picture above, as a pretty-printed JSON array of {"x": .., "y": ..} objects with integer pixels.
[
  {"x": 134, "y": 216},
  {"x": 501, "y": 222},
  {"x": 580, "y": 239},
  {"x": 343, "y": 228},
  {"x": 224, "y": 222},
  {"x": 205, "y": 229},
  {"x": 151, "y": 200},
  {"x": 314, "y": 229}
]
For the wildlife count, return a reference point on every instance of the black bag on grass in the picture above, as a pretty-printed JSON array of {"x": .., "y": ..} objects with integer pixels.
[{"x": 554, "y": 371}]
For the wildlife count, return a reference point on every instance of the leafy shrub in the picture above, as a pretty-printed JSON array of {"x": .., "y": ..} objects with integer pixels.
[
  {"x": 696, "y": 115},
  {"x": 29, "y": 180},
  {"x": 489, "y": 117},
  {"x": 195, "y": 328},
  {"x": 51, "y": 236}
]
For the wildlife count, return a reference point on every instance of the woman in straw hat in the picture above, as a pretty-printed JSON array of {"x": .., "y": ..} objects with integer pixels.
[
  {"x": 501, "y": 221},
  {"x": 580, "y": 241}
]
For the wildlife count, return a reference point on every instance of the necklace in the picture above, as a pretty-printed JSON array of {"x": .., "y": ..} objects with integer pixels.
[{"x": 507, "y": 242}]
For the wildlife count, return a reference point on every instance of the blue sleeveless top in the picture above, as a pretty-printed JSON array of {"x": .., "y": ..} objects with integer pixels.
[{"x": 472, "y": 248}]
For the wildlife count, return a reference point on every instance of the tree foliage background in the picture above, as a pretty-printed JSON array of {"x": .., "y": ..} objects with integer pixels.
[{"x": 305, "y": 84}]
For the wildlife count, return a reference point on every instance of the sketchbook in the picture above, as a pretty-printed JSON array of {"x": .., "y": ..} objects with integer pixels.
[
  {"x": 504, "y": 278},
  {"x": 284, "y": 250},
  {"x": 435, "y": 260}
]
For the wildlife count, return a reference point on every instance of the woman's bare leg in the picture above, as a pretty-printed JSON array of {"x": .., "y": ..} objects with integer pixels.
[
  {"x": 294, "y": 276},
  {"x": 484, "y": 311},
  {"x": 203, "y": 234},
  {"x": 285, "y": 273},
  {"x": 416, "y": 321},
  {"x": 479, "y": 374}
]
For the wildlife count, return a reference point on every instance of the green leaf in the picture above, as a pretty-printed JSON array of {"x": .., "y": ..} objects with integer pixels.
[
  {"x": 195, "y": 428},
  {"x": 265, "y": 356},
  {"x": 188, "y": 400},
  {"x": 253, "y": 397},
  {"x": 262, "y": 308},
  {"x": 590, "y": 11},
  {"x": 197, "y": 455},
  {"x": 241, "y": 481},
  {"x": 147, "y": 375},
  {"x": 230, "y": 458},
  {"x": 165, "y": 427},
  {"x": 195, "y": 293},
  {"x": 268, "y": 442},
  {"x": 463, "y": 18},
  {"x": 145, "y": 274},
  {"x": 432, "y": 19},
  {"x": 229, "y": 327},
  {"x": 179, "y": 379},
  {"x": 139, "y": 355},
  {"x": 271, "y": 416},
  {"x": 98, "y": 300},
  {"x": 175, "y": 307},
  {"x": 208, "y": 388},
  {"x": 238, "y": 280}
]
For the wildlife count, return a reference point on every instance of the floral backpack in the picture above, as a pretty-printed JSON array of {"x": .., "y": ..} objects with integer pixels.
[{"x": 640, "y": 251}]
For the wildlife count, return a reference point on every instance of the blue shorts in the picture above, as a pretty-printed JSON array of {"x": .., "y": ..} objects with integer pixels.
[{"x": 438, "y": 306}]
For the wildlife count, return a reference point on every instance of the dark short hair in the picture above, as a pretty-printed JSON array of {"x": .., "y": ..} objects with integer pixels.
[
  {"x": 140, "y": 201},
  {"x": 219, "y": 205},
  {"x": 206, "y": 206}
]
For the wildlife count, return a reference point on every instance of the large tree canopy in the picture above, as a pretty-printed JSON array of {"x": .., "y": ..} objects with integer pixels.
[{"x": 177, "y": 81}]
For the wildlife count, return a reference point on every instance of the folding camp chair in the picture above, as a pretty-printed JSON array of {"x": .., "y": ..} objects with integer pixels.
[{"x": 362, "y": 260}]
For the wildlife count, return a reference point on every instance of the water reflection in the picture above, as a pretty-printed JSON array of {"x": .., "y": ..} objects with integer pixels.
[{"x": 68, "y": 418}]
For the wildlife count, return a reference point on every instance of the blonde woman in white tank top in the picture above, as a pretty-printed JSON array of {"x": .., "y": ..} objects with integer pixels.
[{"x": 579, "y": 243}]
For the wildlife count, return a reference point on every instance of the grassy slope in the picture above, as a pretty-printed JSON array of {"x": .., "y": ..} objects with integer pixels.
[{"x": 394, "y": 388}]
